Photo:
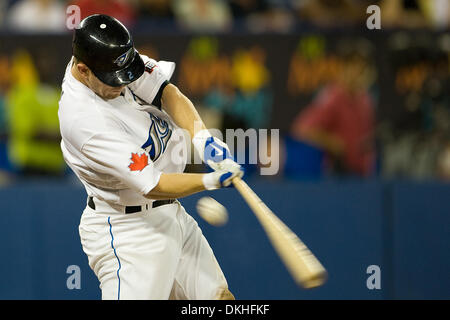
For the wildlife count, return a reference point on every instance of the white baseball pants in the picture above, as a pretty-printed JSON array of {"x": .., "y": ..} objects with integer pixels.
[{"x": 155, "y": 254}]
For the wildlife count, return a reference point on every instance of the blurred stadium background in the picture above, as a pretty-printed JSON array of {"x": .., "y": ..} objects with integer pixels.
[{"x": 364, "y": 120}]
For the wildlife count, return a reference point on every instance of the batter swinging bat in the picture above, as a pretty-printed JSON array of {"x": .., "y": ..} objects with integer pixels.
[{"x": 299, "y": 260}]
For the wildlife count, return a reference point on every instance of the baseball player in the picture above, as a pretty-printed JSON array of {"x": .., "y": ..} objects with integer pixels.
[{"x": 121, "y": 120}]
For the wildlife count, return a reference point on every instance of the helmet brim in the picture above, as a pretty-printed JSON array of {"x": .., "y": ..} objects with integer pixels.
[{"x": 125, "y": 76}]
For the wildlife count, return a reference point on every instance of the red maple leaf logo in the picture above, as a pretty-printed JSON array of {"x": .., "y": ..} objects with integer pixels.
[{"x": 139, "y": 162}]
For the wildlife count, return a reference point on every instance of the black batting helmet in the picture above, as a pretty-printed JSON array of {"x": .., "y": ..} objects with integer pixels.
[{"x": 106, "y": 47}]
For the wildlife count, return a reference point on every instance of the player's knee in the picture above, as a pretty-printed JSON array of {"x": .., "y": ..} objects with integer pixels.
[{"x": 225, "y": 294}]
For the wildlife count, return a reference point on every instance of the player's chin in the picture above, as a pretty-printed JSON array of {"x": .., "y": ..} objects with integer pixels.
[{"x": 112, "y": 94}]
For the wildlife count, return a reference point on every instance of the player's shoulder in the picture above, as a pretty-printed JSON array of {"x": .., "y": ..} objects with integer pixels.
[
  {"x": 80, "y": 117},
  {"x": 75, "y": 101},
  {"x": 77, "y": 104},
  {"x": 77, "y": 128}
]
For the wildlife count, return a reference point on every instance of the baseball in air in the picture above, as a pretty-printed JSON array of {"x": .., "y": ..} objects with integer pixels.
[{"x": 212, "y": 211}]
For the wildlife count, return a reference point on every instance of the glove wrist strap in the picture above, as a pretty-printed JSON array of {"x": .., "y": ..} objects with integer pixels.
[
  {"x": 210, "y": 181},
  {"x": 199, "y": 141}
]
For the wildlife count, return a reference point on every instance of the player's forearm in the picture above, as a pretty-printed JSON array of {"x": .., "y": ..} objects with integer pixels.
[
  {"x": 177, "y": 185},
  {"x": 181, "y": 110}
]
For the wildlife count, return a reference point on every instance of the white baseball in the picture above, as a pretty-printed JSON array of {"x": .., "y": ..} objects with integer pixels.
[{"x": 212, "y": 211}]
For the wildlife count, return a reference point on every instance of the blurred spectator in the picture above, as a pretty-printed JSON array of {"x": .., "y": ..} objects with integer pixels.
[
  {"x": 37, "y": 16},
  {"x": 331, "y": 13},
  {"x": 444, "y": 163},
  {"x": 155, "y": 9},
  {"x": 248, "y": 12},
  {"x": 203, "y": 15},
  {"x": 245, "y": 99},
  {"x": 414, "y": 137},
  {"x": 34, "y": 141},
  {"x": 340, "y": 121},
  {"x": 394, "y": 13},
  {"x": 404, "y": 13},
  {"x": 440, "y": 13},
  {"x": 277, "y": 19},
  {"x": 119, "y": 9},
  {"x": 5, "y": 167},
  {"x": 2, "y": 12},
  {"x": 243, "y": 9},
  {"x": 155, "y": 15},
  {"x": 262, "y": 15}
]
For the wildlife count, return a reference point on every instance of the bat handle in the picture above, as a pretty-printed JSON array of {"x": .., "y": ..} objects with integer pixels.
[{"x": 238, "y": 182}]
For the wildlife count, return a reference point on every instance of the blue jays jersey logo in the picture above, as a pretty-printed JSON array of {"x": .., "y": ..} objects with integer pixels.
[
  {"x": 158, "y": 137},
  {"x": 123, "y": 59}
]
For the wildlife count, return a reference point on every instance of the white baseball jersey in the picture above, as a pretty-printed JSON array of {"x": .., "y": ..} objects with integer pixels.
[{"x": 118, "y": 148}]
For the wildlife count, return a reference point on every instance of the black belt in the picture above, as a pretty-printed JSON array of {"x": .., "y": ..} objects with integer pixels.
[{"x": 134, "y": 209}]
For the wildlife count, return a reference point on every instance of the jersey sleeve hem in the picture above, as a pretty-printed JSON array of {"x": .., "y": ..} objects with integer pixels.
[
  {"x": 152, "y": 185},
  {"x": 157, "y": 101}
]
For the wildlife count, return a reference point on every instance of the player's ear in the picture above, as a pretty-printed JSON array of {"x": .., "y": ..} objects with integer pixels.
[{"x": 83, "y": 69}]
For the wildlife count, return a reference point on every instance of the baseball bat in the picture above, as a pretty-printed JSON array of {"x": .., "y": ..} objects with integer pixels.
[{"x": 304, "y": 267}]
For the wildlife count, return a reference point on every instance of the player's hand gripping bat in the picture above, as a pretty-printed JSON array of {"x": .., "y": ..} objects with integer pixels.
[{"x": 304, "y": 267}]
